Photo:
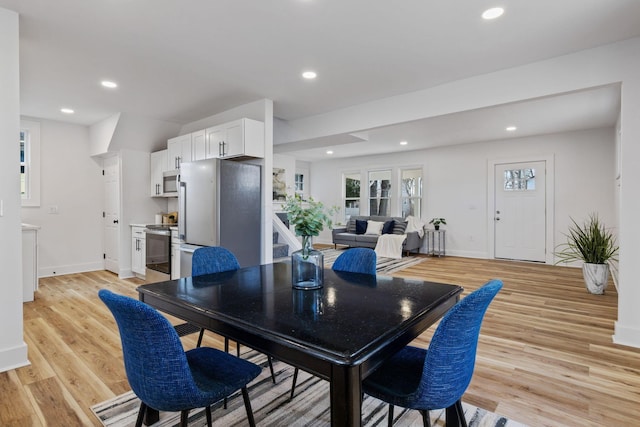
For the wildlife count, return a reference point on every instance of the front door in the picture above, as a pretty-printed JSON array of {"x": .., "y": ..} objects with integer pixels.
[
  {"x": 111, "y": 167},
  {"x": 520, "y": 211}
]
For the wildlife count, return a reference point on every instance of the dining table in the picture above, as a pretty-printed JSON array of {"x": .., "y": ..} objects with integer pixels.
[{"x": 341, "y": 332}]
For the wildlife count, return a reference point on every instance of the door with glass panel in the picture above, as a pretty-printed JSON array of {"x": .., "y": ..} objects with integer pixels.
[{"x": 520, "y": 211}]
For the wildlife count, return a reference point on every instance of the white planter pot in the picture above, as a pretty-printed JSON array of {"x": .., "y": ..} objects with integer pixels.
[{"x": 596, "y": 277}]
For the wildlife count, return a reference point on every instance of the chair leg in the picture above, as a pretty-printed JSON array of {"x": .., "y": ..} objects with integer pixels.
[
  {"x": 455, "y": 415},
  {"x": 426, "y": 421},
  {"x": 200, "y": 337},
  {"x": 141, "y": 412},
  {"x": 226, "y": 345},
  {"x": 247, "y": 406},
  {"x": 390, "y": 422},
  {"x": 238, "y": 349},
  {"x": 273, "y": 375},
  {"x": 184, "y": 418},
  {"x": 293, "y": 384},
  {"x": 207, "y": 412}
]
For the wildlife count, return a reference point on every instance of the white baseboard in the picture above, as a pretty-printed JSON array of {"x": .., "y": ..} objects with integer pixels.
[
  {"x": 69, "y": 269},
  {"x": 13, "y": 358},
  {"x": 626, "y": 335}
]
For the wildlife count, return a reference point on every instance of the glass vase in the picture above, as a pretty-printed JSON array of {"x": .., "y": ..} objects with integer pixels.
[{"x": 307, "y": 266}]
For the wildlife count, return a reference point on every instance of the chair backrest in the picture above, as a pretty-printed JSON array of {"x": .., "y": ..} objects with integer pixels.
[
  {"x": 212, "y": 259},
  {"x": 356, "y": 260},
  {"x": 450, "y": 360},
  {"x": 154, "y": 359}
]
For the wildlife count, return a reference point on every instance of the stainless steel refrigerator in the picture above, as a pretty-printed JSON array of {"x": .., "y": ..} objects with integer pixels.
[{"x": 220, "y": 205}]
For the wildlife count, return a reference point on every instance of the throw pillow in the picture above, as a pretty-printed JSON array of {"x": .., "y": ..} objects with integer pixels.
[
  {"x": 351, "y": 225},
  {"x": 387, "y": 228},
  {"x": 399, "y": 227},
  {"x": 374, "y": 227},
  {"x": 361, "y": 226}
]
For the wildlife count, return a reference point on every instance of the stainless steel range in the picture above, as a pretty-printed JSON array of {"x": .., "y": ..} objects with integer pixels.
[{"x": 158, "y": 253}]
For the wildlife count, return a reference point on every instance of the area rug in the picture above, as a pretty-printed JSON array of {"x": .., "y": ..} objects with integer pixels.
[
  {"x": 383, "y": 265},
  {"x": 272, "y": 406}
]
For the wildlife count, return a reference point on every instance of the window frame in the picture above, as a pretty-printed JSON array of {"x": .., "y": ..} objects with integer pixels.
[
  {"x": 380, "y": 198},
  {"x": 345, "y": 199},
  {"x": 418, "y": 198}
]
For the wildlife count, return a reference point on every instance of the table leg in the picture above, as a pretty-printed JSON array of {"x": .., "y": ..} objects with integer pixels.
[{"x": 346, "y": 396}]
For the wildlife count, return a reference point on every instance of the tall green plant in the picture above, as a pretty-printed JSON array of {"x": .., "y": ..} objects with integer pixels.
[
  {"x": 307, "y": 217},
  {"x": 591, "y": 243}
]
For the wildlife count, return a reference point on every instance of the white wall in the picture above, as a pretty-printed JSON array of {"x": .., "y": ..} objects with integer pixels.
[
  {"x": 455, "y": 182},
  {"x": 71, "y": 240},
  {"x": 13, "y": 350}
]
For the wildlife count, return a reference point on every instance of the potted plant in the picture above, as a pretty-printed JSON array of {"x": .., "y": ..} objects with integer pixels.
[
  {"x": 308, "y": 219},
  {"x": 595, "y": 246},
  {"x": 437, "y": 221}
]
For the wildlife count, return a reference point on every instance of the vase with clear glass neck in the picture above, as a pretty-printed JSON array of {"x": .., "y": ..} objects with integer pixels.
[{"x": 307, "y": 266}]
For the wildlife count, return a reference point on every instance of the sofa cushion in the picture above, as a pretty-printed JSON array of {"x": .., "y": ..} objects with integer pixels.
[
  {"x": 399, "y": 227},
  {"x": 361, "y": 226},
  {"x": 369, "y": 238},
  {"x": 343, "y": 237},
  {"x": 387, "y": 228},
  {"x": 351, "y": 225},
  {"x": 374, "y": 228}
]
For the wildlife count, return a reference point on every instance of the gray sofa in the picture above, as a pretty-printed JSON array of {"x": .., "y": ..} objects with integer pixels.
[{"x": 347, "y": 235}]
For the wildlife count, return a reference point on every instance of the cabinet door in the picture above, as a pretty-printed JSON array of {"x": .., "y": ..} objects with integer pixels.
[
  {"x": 158, "y": 166},
  {"x": 138, "y": 252},
  {"x": 234, "y": 144},
  {"x": 215, "y": 138},
  {"x": 179, "y": 151},
  {"x": 175, "y": 261},
  {"x": 199, "y": 145}
]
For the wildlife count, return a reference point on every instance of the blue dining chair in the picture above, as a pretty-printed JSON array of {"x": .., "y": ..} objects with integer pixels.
[
  {"x": 216, "y": 259},
  {"x": 436, "y": 378},
  {"x": 163, "y": 375},
  {"x": 353, "y": 260},
  {"x": 356, "y": 260}
]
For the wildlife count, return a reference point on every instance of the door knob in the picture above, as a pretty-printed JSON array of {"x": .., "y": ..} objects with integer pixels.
[
  {"x": 497, "y": 218},
  {"x": 115, "y": 221}
]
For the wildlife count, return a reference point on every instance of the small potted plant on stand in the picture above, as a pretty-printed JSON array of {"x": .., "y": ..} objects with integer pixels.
[
  {"x": 308, "y": 219},
  {"x": 595, "y": 246},
  {"x": 437, "y": 221}
]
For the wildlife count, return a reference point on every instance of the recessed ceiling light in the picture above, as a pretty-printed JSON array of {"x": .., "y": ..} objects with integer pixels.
[
  {"x": 511, "y": 128},
  {"x": 329, "y": 152},
  {"x": 493, "y": 13},
  {"x": 67, "y": 110},
  {"x": 403, "y": 142},
  {"x": 309, "y": 75},
  {"x": 110, "y": 85}
]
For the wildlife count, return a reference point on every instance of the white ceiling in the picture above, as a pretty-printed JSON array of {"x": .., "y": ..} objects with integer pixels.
[{"x": 180, "y": 61}]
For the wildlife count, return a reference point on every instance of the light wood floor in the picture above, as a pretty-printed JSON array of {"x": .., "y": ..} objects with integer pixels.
[{"x": 545, "y": 356}]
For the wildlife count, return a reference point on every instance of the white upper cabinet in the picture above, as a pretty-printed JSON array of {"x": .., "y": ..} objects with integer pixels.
[
  {"x": 179, "y": 151},
  {"x": 240, "y": 138},
  {"x": 158, "y": 166},
  {"x": 199, "y": 145}
]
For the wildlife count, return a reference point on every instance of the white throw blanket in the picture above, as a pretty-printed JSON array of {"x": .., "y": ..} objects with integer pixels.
[
  {"x": 414, "y": 224},
  {"x": 390, "y": 245}
]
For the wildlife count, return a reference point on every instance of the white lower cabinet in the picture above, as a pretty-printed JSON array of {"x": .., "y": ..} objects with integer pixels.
[
  {"x": 138, "y": 252},
  {"x": 175, "y": 255}
]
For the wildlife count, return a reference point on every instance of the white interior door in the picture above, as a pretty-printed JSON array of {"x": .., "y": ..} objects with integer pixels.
[
  {"x": 520, "y": 211},
  {"x": 111, "y": 167}
]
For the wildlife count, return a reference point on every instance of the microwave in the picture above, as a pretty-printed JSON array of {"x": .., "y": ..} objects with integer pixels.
[{"x": 170, "y": 183}]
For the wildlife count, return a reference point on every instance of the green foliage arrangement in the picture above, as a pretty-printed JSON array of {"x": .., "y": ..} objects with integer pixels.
[
  {"x": 591, "y": 243},
  {"x": 438, "y": 221},
  {"x": 307, "y": 217}
]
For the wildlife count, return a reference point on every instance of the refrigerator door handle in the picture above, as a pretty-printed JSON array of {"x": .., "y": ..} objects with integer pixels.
[{"x": 182, "y": 200}]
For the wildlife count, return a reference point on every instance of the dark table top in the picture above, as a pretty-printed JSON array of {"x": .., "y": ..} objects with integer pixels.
[{"x": 347, "y": 319}]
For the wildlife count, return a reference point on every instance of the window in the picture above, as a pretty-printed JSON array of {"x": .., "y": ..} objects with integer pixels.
[
  {"x": 299, "y": 183},
  {"x": 520, "y": 179},
  {"x": 379, "y": 192},
  {"x": 351, "y": 185},
  {"x": 30, "y": 163},
  {"x": 411, "y": 192}
]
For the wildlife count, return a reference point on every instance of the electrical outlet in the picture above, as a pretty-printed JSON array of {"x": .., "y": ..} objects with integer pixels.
[{"x": 53, "y": 209}]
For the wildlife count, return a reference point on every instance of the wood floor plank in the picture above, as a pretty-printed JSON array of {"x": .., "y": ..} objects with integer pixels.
[{"x": 545, "y": 354}]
